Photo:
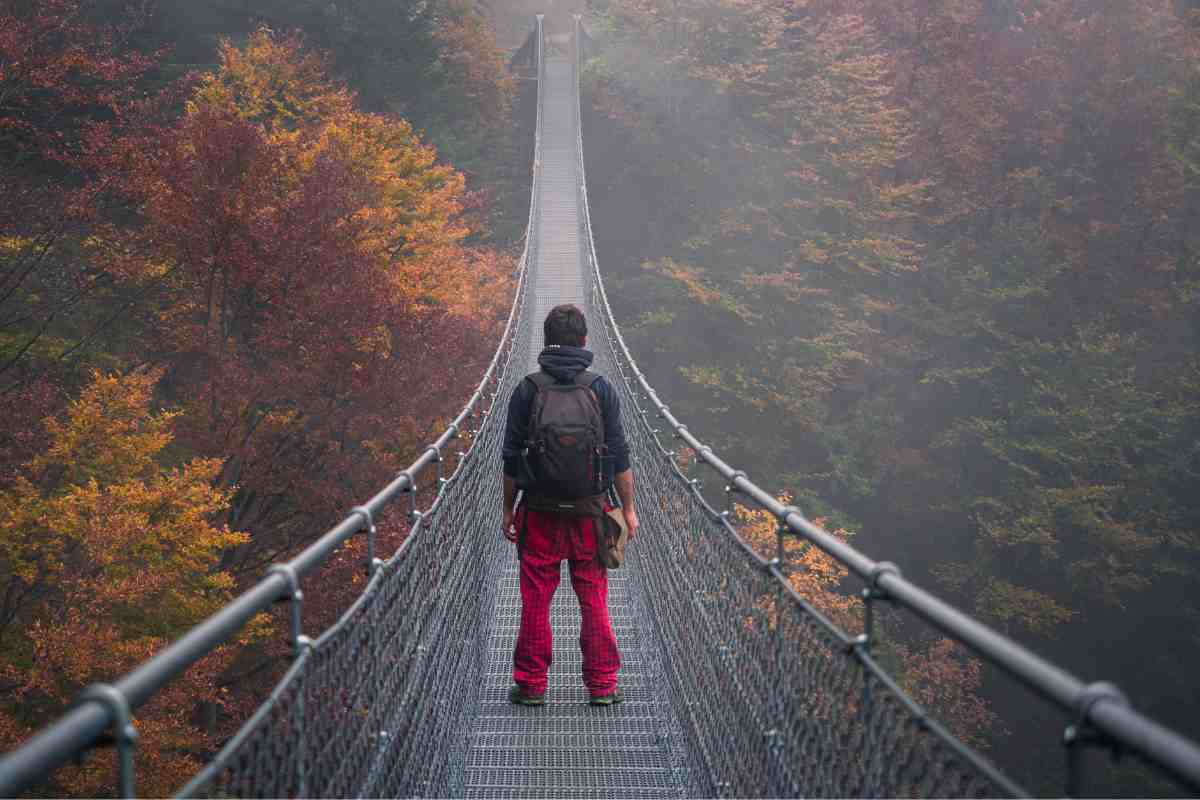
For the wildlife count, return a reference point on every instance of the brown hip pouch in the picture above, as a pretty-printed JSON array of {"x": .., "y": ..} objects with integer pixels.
[{"x": 609, "y": 524}]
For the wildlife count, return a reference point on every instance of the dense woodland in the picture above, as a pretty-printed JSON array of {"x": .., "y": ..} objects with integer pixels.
[
  {"x": 944, "y": 255},
  {"x": 243, "y": 281}
]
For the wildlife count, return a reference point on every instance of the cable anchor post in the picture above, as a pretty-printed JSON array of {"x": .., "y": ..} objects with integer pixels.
[
  {"x": 731, "y": 489},
  {"x": 454, "y": 434},
  {"x": 301, "y": 645},
  {"x": 676, "y": 451},
  {"x": 437, "y": 459},
  {"x": 1082, "y": 734},
  {"x": 870, "y": 593},
  {"x": 478, "y": 401},
  {"x": 300, "y": 642},
  {"x": 373, "y": 563},
  {"x": 782, "y": 531},
  {"x": 124, "y": 734},
  {"x": 493, "y": 381},
  {"x": 780, "y": 566},
  {"x": 414, "y": 516},
  {"x": 776, "y": 703},
  {"x": 861, "y": 645}
]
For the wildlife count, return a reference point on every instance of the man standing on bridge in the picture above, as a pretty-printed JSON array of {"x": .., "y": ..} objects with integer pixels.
[{"x": 564, "y": 447}]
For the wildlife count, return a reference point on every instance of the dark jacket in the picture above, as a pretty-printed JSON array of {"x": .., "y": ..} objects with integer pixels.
[{"x": 564, "y": 363}]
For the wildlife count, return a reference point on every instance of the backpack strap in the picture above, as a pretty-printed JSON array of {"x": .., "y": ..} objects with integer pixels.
[{"x": 541, "y": 379}]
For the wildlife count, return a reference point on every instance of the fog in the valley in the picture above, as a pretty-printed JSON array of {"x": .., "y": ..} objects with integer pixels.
[{"x": 927, "y": 269}]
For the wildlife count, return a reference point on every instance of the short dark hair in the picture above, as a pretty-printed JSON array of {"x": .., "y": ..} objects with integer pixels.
[{"x": 566, "y": 326}]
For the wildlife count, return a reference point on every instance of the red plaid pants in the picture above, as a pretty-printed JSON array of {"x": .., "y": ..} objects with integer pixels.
[{"x": 550, "y": 538}]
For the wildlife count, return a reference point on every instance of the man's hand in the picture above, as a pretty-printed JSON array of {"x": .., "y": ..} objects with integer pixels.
[
  {"x": 623, "y": 481},
  {"x": 510, "y": 500},
  {"x": 631, "y": 520}
]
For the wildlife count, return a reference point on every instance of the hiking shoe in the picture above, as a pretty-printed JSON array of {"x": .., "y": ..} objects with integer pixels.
[
  {"x": 518, "y": 695},
  {"x": 607, "y": 699}
]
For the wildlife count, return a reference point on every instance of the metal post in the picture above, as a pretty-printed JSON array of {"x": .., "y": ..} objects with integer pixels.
[
  {"x": 413, "y": 515},
  {"x": 437, "y": 459},
  {"x": 373, "y": 563},
  {"x": 124, "y": 734},
  {"x": 731, "y": 489},
  {"x": 301, "y": 644},
  {"x": 774, "y": 735},
  {"x": 1081, "y": 735},
  {"x": 862, "y": 644}
]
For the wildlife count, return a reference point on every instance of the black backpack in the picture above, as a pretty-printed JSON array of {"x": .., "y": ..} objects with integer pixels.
[{"x": 565, "y": 449}]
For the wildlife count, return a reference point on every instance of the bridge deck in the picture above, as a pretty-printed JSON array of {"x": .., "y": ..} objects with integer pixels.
[{"x": 567, "y": 748}]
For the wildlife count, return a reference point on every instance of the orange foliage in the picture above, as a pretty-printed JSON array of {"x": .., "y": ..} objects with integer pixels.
[
  {"x": 323, "y": 302},
  {"x": 94, "y": 531},
  {"x": 57, "y": 69},
  {"x": 945, "y": 680},
  {"x": 941, "y": 676},
  {"x": 812, "y": 574},
  {"x": 309, "y": 310},
  {"x": 473, "y": 62}
]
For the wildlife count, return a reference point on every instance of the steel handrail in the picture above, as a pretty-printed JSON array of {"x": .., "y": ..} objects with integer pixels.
[
  {"x": 84, "y": 725},
  {"x": 1100, "y": 705}
]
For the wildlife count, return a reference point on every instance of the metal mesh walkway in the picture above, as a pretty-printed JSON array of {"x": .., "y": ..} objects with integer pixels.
[{"x": 567, "y": 748}]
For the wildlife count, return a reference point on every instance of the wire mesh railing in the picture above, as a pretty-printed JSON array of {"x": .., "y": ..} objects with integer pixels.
[
  {"x": 773, "y": 698},
  {"x": 378, "y": 705},
  {"x": 769, "y": 697}
]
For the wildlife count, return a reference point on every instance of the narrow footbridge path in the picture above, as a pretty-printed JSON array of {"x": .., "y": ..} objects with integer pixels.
[
  {"x": 736, "y": 686},
  {"x": 567, "y": 749}
]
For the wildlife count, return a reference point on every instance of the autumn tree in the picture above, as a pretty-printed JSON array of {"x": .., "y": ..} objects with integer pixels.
[
  {"x": 814, "y": 575},
  {"x": 804, "y": 207},
  {"x": 437, "y": 64},
  {"x": 285, "y": 271},
  {"x": 321, "y": 299},
  {"x": 909, "y": 270},
  {"x": 1050, "y": 311},
  {"x": 107, "y": 552}
]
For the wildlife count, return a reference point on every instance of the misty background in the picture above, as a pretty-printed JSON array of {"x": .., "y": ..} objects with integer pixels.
[
  {"x": 927, "y": 268},
  {"x": 930, "y": 269}
]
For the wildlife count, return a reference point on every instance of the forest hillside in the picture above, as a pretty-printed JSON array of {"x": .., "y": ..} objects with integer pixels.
[
  {"x": 926, "y": 268},
  {"x": 944, "y": 256},
  {"x": 252, "y": 257}
]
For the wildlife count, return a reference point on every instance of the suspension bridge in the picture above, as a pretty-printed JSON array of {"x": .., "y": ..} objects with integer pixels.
[{"x": 736, "y": 686}]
